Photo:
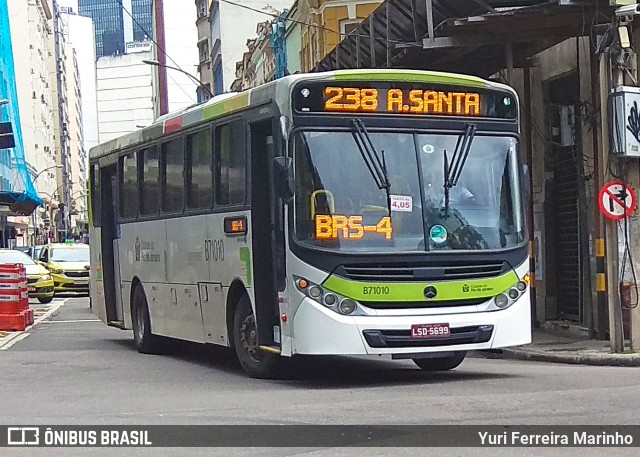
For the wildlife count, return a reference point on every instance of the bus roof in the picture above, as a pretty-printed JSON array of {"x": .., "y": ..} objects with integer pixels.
[{"x": 228, "y": 103}]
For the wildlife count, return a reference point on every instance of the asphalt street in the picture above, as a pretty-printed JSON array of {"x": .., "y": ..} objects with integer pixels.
[{"x": 72, "y": 369}]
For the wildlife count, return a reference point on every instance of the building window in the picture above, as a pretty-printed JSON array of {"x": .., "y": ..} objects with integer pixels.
[
  {"x": 199, "y": 176},
  {"x": 173, "y": 176},
  {"x": 348, "y": 25},
  {"x": 202, "y": 8},
  {"x": 218, "y": 83},
  {"x": 203, "y": 49},
  {"x": 230, "y": 164}
]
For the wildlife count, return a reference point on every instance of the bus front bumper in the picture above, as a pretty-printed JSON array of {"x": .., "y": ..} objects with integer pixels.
[{"x": 321, "y": 331}]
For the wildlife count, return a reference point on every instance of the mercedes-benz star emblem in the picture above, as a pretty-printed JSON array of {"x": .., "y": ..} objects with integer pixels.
[{"x": 430, "y": 292}]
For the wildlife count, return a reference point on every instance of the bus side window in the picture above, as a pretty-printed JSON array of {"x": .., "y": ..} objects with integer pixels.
[
  {"x": 96, "y": 204},
  {"x": 198, "y": 168},
  {"x": 128, "y": 186},
  {"x": 173, "y": 176},
  {"x": 230, "y": 164},
  {"x": 149, "y": 176}
]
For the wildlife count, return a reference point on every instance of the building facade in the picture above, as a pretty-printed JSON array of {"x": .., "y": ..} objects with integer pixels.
[
  {"x": 78, "y": 160},
  {"x": 231, "y": 25},
  {"x": 180, "y": 35},
  {"x": 205, "y": 74},
  {"x": 117, "y": 23},
  {"x": 17, "y": 194},
  {"x": 127, "y": 93},
  {"x": 33, "y": 46},
  {"x": 79, "y": 31},
  {"x": 315, "y": 27}
]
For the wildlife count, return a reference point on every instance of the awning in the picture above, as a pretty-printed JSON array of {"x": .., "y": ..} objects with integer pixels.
[
  {"x": 20, "y": 202},
  {"x": 478, "y": 37}
]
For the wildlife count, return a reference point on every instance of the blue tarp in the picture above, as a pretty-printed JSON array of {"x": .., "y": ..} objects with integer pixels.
[{"x": 16, "y": 187}]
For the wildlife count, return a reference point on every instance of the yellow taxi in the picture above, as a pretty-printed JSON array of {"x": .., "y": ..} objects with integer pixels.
[
  {"x": 69, "y": 266},
  {"x": 39, "y": 280}
]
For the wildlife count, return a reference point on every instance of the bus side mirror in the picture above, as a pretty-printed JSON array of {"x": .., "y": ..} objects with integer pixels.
[{"x": 283, "y": 177}]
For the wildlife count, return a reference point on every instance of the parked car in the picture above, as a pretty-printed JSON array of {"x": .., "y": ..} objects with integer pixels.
[
  {"x": 32, "y": 251},
  {"x": 69, "y": 266},
  {"x": 39, "y": 280}
]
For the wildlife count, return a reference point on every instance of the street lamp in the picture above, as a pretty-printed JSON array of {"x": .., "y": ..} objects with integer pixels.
[
  {"x": 155, "y": 63},
  {"x": 34, "y": 216},
  {"x": 46, "y": 169}
]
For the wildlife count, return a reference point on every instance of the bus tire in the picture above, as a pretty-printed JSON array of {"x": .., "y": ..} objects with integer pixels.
[
  {"x": 45, "y": 300},
  {"x": 441, "y": 363},
  {"x": 146, "y": 342},
  {"x": 254, "y": 362}
]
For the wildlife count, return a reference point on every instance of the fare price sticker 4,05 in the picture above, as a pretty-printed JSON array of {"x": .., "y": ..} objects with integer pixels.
[{"x": 401, "y": 203}]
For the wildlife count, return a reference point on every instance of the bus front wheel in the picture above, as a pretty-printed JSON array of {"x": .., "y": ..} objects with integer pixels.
[
  {"x": 254, "y": 362},
  {"x": 146, "y": 342},
  {"x": 441, "y": 363}
]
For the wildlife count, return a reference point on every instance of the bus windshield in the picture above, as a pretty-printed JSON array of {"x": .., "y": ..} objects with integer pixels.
[{"x": 338, "y": 205}]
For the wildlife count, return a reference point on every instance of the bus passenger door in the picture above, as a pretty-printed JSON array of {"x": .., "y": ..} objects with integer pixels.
[
  {"x": 266, "y": 232},
  {"x": 110, "y": 262}
]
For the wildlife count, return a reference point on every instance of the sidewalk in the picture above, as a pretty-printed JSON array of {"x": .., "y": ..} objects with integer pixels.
[
  {"x": 559, "y": 349},
  {"x": 40, "y": 313}
]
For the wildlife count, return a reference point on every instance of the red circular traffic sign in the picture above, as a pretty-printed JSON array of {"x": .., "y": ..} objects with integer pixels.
[{"x": 617, "y": 200}]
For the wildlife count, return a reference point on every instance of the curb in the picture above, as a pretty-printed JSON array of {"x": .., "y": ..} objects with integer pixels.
[{"x": 631, "y": 360}]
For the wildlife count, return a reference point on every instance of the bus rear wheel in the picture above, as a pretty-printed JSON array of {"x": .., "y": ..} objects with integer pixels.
[
  {"x": 146, "y": 342},
  {"x": 254, "y": 362},
  {"x": 441, "y": 363}
]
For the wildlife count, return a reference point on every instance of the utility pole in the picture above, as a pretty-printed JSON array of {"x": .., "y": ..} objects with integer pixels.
[
  {"x": 616, "y": 336},
  {"x": 620, "y": 61}
]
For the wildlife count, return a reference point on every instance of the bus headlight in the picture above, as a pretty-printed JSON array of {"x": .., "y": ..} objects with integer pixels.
[
  {"x": 315, "y": 292},
  {"x": 347, "y": 306},
  {"x": 327, "y": 298},
  {"x": 330, "y": 299},
  {"x": 501, "y": 301},
  {"x": 509, "y": 296}
]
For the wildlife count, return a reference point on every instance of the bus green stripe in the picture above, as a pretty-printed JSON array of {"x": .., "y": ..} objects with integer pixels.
[
  {"x": 414, "y": 292},
  {"x": 410, "y": 76},
  {"x": 226, "y": 106}
]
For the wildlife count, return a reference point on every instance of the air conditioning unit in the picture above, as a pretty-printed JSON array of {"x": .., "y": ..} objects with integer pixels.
[{"x": 621, "y": 2}]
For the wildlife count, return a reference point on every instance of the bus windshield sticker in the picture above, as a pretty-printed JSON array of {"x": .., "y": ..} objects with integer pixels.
[
  {"x": 438, "y": 234},
  {"x": 350, "y": 227},
  {"x": 402, "y": 203},
  {"x": 428, "y": 149}
]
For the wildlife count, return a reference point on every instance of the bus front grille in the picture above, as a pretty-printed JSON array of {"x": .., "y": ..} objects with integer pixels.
[
  {"x": 424, "y": 304},
  {"x": 442, "y": 271}
]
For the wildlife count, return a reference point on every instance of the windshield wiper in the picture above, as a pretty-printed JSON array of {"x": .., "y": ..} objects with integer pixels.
[
  {"x": 375, "y": 162},
  {"x": 453, "y": 170}
]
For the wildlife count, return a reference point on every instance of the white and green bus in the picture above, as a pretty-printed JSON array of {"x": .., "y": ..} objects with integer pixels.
[{"x": 356, "y": 212}]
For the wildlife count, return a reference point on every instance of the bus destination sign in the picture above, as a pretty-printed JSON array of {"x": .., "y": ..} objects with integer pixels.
[{"x": 404, "y": 98}]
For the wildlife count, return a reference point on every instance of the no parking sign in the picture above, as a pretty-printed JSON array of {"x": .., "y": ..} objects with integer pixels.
[{"x": 617, "y": 200}]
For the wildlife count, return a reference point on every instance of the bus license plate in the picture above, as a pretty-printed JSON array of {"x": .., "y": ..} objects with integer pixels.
[
  {"x": 430, "y": 331},
  {"x": 31, "y": 289}
]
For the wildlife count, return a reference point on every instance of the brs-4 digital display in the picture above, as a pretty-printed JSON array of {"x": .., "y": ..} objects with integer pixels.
[{"x": 404, "y": 98}]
